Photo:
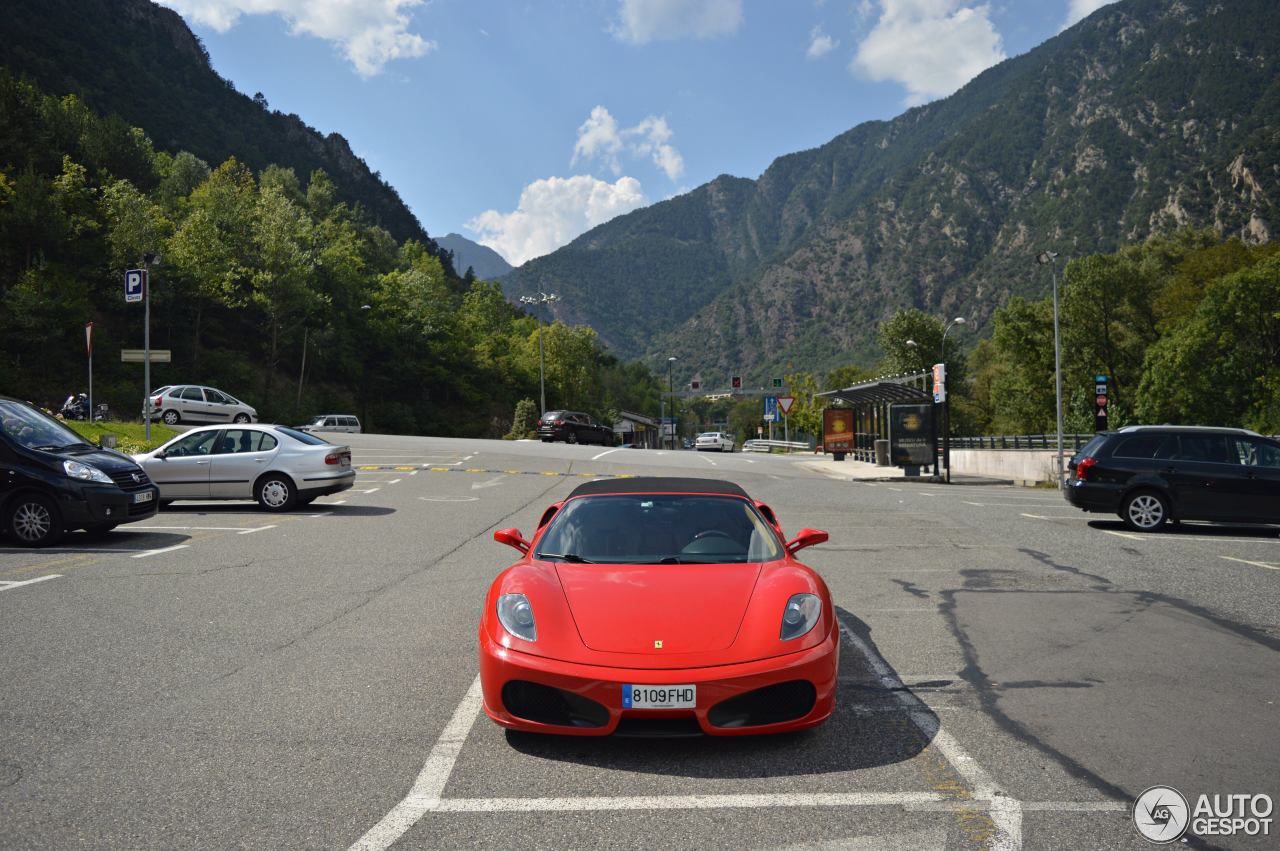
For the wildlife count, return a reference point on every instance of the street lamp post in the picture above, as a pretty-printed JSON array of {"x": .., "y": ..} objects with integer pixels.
[
  {"x": 671, "y": 393},
  {"x": 148, "y": 260},
  {"x": 540, "y": 298},
  {"x": 946, "y": 400},
  {"x": 1050, "y": 258}
]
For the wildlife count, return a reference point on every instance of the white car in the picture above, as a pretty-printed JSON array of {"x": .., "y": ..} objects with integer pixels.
[
  {"x": 348, "y": 423},
  {"x": 278, "y": 466},
  {"x": 718, "y": 440},
  {"x": 195, "y": 403}
]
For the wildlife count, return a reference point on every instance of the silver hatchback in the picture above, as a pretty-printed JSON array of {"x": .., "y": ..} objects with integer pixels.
[
  {"x": 280, "y": 467},
  {"x": 194, "y": 403}
]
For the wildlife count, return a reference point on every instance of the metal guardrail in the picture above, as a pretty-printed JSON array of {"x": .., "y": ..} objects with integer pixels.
[
  {"x": 1021, "y": 441},
  {"x": 770, "y": 445}
]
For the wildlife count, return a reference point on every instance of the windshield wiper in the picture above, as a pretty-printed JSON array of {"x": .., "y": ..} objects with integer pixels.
[{"x": 569, "y": 557}]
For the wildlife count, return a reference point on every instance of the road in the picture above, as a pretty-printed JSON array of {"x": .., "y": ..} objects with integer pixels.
[{"x": 1014, "y": 673}]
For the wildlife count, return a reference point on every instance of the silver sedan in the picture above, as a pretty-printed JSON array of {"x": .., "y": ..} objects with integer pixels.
[{"x": 278, "y": 466}]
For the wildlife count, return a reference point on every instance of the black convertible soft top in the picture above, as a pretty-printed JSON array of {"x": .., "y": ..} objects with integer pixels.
[{"x": 657, "y": 484}]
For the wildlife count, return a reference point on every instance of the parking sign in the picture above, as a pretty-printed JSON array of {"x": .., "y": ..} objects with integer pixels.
[{"x": 135, "y": 285}]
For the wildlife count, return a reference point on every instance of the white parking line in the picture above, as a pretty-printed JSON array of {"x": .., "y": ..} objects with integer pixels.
[
  {"x": 1261, "y": 564},
  {"x": 256, "y": 529},
  {"x": 1125, "y": 535},
  {"x": 1006, "y": 813},
  {"x": 393, "y": 482},
  {"x": 149, "y": 553},
  {"x": 688, "y": 802},
  {"x": 1055, "y": 516},
  {"x": 367, "y": 490},
  {"x": 604, "y": 453},
  {"x": 708, "y": 460},
  {"x": 425, "y": 794},
  {"x": 1175, "y": 538},
  {"x": 6, "y": 585},
  {"x": 193, "y": 528}
]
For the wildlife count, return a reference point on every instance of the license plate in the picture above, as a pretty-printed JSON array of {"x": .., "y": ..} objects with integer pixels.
[
  {"x": 143, "y": 496},
  {"x": 659, "y": 697}
]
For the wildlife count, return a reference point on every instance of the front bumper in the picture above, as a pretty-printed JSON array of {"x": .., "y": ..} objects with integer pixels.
[
  {"x": 91, "y": 505},
  {"x": 602, "y": 687}
]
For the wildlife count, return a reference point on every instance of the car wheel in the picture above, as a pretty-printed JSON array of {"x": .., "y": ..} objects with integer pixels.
[
  {"x": 170, "y": 417},
  {"x": 100, "y": 528},
  {"x": 275, "y": 492},
  {"x": 1145, "y": 511},
  {"x": 242, "y": 418},
  {"x": 33, "y": 521},
  {"x": 572, "y": 438}
]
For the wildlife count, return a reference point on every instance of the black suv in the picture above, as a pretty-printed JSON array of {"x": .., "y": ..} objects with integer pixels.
[
  {"x": 573, "y": 427},
  {"x": 51, "y": 481},
  {"x": 1150, "y": 475}
]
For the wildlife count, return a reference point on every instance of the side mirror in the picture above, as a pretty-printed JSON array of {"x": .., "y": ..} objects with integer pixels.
[
  {"x": 162, "y": 454},
  {"x": 806, "y": 538},
  {"x": 512, "y": 538}
]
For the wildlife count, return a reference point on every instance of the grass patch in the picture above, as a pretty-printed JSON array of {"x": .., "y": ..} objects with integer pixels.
[{"x": 131, "y": 438}]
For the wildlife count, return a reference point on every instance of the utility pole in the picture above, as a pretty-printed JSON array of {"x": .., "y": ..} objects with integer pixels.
[
  {"x": 671, "y": 392},
  {"x": 1050, "y": 258},
  {"x": 540, "y": 298},
  {"x": 148, "y": 260}
]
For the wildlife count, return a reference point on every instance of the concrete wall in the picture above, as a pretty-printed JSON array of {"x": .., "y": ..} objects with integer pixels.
[{"x": 1024, "y": 466}]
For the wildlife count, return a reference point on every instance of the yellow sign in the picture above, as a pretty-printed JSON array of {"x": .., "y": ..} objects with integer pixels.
[
  {"x": 838, "y": 425},
  {"x": 911, "y": 421}
]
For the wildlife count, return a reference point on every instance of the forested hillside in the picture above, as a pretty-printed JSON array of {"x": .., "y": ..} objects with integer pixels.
[
  {"x": 269, "y": 287},
  {"x": 1148, "y": 116},
  {"x": 139, "y": 61}
]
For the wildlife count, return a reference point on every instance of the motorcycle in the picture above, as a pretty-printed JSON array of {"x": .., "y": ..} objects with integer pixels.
[{"x": 76, "y": 407}]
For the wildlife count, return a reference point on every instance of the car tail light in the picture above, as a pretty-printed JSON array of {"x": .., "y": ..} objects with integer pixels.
[
  {"x": 157, "y": 401},
  {"x": 337, "y": 458},
  {"x": 1085, "y": 468},
  {"x": 558, "y": 422}
]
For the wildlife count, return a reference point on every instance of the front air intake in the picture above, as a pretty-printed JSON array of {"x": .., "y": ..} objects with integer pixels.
[
  {"x": 769, "y": 705},
  {"x": 547, "y": 705}
]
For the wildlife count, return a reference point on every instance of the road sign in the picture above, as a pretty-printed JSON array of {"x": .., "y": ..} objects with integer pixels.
[
  {"x": 135, "y": 285},
  {"x": 785, "y": 403},
  {"x": 1100, "y": 422},
  {"x": 777, "y": 382},
  {"x": 140, "y": 355},
  {"x": 939, "y": 382},
  {"x": 771, "y": 409},
  {"x": 1102, "y": 401},
  {"x": 736, "y": 382}
]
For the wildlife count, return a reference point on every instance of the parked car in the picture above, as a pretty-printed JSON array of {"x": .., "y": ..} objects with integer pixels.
[
  {"x": 573, "y": 427},
  {"x": 658, "y": 606},
  {"x": 1152, "y": 475},
  {"x": 718, "y": 440},
  {"x": 278, "y": 466},
  {"x": 51, "y": 481},
  {"x": 345, "y": 423},
  {"x": 754, "y": 445},
  {"x": 194, "y": 403}
]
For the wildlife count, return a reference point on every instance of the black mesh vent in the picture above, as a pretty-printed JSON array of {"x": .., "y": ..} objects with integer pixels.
[
  {"x": 769, "y": 705},
  {"x": 547, "y": 705}
]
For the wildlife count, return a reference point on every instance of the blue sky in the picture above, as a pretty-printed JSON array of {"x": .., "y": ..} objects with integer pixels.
[{"x": 523, "y": 124}]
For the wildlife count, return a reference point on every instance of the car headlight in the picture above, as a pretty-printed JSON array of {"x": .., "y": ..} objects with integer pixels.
[
  {"x": 516, "y": 615},
  {"x": 800, "y": 615},
  {"x": 85, "y": 472}
]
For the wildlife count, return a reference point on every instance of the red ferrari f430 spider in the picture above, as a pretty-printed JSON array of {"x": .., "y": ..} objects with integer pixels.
[{"x": 658, "y": 606}]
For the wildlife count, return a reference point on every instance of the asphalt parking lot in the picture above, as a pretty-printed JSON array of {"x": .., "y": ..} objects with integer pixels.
[{"x": 1013, "y": 673}]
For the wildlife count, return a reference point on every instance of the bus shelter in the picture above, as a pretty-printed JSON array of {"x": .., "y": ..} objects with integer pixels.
[{"x": 896, "y": 409}]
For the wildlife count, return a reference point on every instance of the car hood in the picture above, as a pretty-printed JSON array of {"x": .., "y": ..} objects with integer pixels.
[
  {"x": 689, "y": 608},
  {"x": 106, "y": 460}
]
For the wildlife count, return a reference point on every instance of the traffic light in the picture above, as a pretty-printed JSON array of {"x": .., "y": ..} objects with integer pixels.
[
  {"x": 777, "y": 382},
  {"x": 736, "y": 382},
  {"x": 695, "y": 385}
]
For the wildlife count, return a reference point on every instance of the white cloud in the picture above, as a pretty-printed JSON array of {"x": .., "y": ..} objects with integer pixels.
[
  {"x": 370, "y": 33},
  {"x": 820, "y": 44},
  {"x": 642, "y": 21},
  {"x": 932, "y": 47},
  {"x": 600, "y": 138},
  {"x": 552, "y": 212},
  {"x": 1078, "y": 10}
]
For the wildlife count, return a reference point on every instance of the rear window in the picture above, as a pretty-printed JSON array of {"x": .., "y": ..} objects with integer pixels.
[
  {"x": 1147, "y": 446},
  {"x": 302, "y": 436},
  {"x": 659, "y": 529}
]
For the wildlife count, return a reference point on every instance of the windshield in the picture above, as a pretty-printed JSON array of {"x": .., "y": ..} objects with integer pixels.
[
  {"x": 315, "y": 421},
  {"x": 35, "y": 430},
  {"x": 659, "y": 529},
  {"x": 302, "y": 436}
]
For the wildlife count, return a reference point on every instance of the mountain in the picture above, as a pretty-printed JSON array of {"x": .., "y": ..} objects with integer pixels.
[
  {"x": 487, "y": 264},
  {"x": 138, "y": 60},
  {"x": 1146, "y": 116}
]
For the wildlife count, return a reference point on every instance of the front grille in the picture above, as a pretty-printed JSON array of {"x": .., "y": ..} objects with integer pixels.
[
  {"x": 141, "y": 508},
  {"x": 547, "y": 705},
  {"x": 125, "y": 481},
  {"x": 769, "y": 705}
]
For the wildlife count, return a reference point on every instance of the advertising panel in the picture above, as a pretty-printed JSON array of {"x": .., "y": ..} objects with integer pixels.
[{"x": 912, "y": 439}]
